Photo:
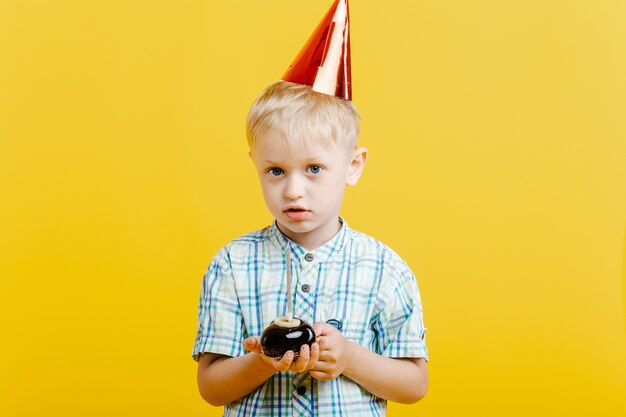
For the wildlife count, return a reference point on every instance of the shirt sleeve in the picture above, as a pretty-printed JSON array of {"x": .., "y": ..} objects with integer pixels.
[
  {"x": 220, "y": 322},
  {"x": 400, "y": 326}
]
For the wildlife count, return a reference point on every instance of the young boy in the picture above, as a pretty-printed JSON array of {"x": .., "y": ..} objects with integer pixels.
[{"x": 361, "y": 297}]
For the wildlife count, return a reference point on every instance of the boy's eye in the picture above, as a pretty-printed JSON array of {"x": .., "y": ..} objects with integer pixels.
[
  {"x": 315, "y": 169},
  {"x": 275, "y": 172}
]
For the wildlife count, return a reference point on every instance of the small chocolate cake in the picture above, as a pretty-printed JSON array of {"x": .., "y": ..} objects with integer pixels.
[{"x": 285, "y": 334}]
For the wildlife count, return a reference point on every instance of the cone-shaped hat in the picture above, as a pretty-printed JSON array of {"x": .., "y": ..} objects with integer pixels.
[{"x": 324, "y": 61}]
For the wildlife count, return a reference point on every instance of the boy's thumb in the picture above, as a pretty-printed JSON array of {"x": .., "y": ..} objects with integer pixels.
[
  {"x": 322, "y": 329},
  {"x": 251, "y": 344}
]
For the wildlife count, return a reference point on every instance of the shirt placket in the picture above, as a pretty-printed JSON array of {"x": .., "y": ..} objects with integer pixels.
[{"x": 304, "y": 308}]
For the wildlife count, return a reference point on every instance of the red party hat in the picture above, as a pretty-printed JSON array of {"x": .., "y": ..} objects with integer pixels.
[{"x": 324, "y": 61}]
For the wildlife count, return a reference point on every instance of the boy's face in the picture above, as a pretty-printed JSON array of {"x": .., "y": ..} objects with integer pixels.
[{"x": 303, "y": 185}]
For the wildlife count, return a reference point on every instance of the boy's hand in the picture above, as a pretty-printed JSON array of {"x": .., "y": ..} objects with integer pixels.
[
  {"x": 307, "y": 359},
  {"x": 334, "y": 352}
]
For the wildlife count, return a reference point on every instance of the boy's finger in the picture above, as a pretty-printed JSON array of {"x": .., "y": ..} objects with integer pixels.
[
  {"x": 322, "y": 328},
  {"x": 300, "y": 364},
  {"x": 315, "y": 354},
  {"x": 327, "y": 357},
  {"x": 319, "y": 374},
  {"x": 285, "y": 362},
  {"x": 251, "y": 344},
  {"x": 323, "y": 344},
  {"x": 322, "y": 365}
]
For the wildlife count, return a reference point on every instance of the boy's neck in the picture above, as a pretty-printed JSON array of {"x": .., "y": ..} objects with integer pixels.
[{"x": 313, "y": 239}]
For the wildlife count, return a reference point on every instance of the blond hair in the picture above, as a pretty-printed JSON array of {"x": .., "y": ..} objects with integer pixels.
[{"x": 300, "y": 114}]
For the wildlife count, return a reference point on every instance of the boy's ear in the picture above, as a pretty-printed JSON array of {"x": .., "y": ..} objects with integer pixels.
[{"x": 359, "y": 158}]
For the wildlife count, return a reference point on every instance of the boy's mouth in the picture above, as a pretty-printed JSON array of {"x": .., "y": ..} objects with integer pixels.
[{"x": 297, "y": 213}]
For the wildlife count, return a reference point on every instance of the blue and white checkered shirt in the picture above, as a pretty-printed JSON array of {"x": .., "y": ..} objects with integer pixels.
[{"x": 353, "y": 282}]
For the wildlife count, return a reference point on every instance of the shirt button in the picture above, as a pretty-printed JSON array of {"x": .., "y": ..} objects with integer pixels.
[
  {"x": 301, "y": 390},
  {"x": 308, "y": 257},
  {"x": 306, "y": 288}
]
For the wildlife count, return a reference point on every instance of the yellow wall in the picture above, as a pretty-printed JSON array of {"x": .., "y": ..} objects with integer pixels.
[{"x": 497, "y": 134}]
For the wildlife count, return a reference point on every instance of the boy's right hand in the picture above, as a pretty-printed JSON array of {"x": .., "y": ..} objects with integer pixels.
[{"x": 307, "y": 359}]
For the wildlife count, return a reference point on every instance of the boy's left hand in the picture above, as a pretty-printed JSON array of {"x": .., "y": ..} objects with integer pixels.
[
  {"x": 334, "y": 352},
  {"x": 305, "y": 361}
]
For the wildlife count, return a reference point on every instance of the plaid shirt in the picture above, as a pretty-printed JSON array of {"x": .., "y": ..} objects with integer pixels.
[{"x": 353, "y": 282}]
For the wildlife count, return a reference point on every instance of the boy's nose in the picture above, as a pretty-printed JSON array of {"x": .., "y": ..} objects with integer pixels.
[{"x": 294, "y": 189}]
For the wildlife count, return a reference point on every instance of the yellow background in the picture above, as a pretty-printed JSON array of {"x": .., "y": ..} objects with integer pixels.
[{"x": 497, "y": 134}]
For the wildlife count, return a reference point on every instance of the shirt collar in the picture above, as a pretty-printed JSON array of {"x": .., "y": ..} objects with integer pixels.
[{"x": 301, "y": 254}]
